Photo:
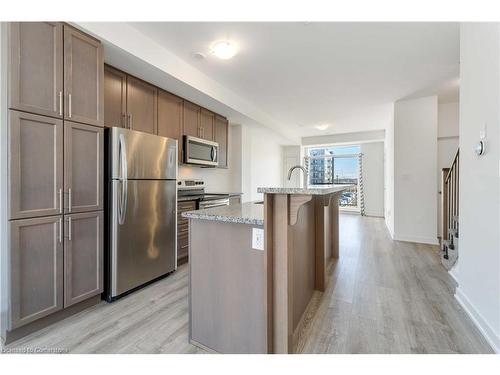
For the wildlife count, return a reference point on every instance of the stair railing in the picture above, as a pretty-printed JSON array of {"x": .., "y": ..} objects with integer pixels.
[{"x": 450, "y": 193}]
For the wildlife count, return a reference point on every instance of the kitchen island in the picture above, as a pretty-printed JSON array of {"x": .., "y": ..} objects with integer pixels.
[{"x": 249, "y": 294}]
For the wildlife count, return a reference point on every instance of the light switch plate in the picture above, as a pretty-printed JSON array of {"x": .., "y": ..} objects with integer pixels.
[{"x": 257, "y": 238}]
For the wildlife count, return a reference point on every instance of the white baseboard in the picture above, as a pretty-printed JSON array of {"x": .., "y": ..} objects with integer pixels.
[
  {"x": 425, "y": 240},
  {"x": 489, "y": 334},
  {"x": 453, "y": 275},
  {"x": 391, "y": 233},
  {"x": 374, "y": 214}
]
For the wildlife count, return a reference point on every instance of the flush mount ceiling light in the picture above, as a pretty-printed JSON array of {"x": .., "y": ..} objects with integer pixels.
[
  {"x": 322, "y": 126},
  {"x": 224, "y": 49}
]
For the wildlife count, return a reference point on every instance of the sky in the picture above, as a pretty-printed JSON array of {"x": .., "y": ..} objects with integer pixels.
[{"x": 345, "y": 167}]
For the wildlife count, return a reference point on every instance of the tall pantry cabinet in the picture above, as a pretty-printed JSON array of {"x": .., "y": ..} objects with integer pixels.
[{"x": 56, "y": 146}]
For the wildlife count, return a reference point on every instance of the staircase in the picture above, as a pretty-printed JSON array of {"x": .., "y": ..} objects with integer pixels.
[{"x": 450, "y": 210}]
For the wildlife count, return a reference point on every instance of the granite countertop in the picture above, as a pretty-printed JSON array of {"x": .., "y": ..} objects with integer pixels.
[
  {"x": 311, "y": 190},
  {"x": 245, "y": 213}
]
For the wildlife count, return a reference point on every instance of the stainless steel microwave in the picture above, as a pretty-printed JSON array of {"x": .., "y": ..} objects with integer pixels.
[{"x": 200, "y": 151}]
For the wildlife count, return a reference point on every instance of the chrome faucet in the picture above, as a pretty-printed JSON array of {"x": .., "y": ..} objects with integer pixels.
[{"x": 304, "y": 174}]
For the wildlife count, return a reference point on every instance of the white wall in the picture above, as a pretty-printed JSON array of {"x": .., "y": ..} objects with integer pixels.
[
  {"x": 373, "y": 178},
  {"x": 389, "y": 175},
  {"x": 292, "y": 155},
  {"x": 478, "y": 272},
  {"x": 218, "y": 179},
  {"x": 415, "y": 165},
  {"x": 347, "y": 138},
  {"x": 262, "y": 161},
  {"x": 447, "y": 145}
]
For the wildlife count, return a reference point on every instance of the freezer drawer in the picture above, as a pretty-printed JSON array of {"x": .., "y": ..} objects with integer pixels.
[{"x": 143, "y": 232}]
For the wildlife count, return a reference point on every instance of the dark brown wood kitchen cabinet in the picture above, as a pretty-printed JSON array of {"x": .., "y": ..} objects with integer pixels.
[
  {"x": 170, "y": 117},
  {"x": 191, "y": 119},
  {"x": 115, "y": 97},
  {"x": 83, "y": 255},
  {"x": 36, "y": 269},
  {"x": 36, "y": 67},
  {"x": 83, "y": 167},
  {"x": 221, "y": 133},
  {"x": 207, "y": 124},
  {"x": 183, "y": 230},
  {"x": 35, "y": 165},
  {"x": 141, "y": 105},
  {"x": 83, "y": 78}
]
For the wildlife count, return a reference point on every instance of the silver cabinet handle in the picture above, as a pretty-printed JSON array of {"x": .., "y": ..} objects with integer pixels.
[
  {"x": 70, "y": 200},
  {"x": 131, "y": 122},
  {"x": 60, "y": 103},
  {"x": 124, "y": 120},
  {"x": 69, "y": 105},
  {"x": 69, "y": 228},
  {"x": 60, "y": 229},
  {"x": 127, "y": 126},
  {"x": 60, "y": 201}
]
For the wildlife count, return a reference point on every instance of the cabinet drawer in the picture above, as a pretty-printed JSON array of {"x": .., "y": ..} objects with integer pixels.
[
  {"x": 182, "y": 227},
  {"x": 186, "y": 206}
]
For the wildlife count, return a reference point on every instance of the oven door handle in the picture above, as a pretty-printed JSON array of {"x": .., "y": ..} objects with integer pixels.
[{"x": 214, "y": 203}]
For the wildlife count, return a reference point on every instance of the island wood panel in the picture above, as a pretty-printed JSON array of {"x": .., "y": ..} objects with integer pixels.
[
  {"x": 300, "y": 236},
  {"x": 334, "y": 225},
  {"x": 282, "y": 275},
  {"x": 303, "y": 240},
  {"x": 268, "y": 249},
  {"x": 228, "y": 288}
]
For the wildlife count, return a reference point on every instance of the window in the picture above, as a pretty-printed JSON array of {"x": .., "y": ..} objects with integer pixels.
[{"x": 337, "y": 165}]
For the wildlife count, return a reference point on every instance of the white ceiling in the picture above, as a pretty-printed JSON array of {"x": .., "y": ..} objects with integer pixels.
[{"x": 304, "y": 74}]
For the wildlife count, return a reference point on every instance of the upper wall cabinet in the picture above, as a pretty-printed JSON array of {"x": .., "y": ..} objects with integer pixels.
[
  {"x": 115, "y": 98},
  {"x": 83, "y": 78},
  {"x": 221, "y": 132},
  {"x": 141, "y": 105},
  {"x": 191, "y": 119},
  {"x": 36, "y": 67},
  {"x": 207, "y": 125},
  {"x": 170, "y": 117}
]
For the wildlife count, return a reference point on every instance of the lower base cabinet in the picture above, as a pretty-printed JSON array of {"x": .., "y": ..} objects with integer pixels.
[
  {"x": 36, "y": 269},
  {"x": 56, "y": 262},
  {"x": 183, "y": 230},
  {"x": 83, "y": 256}
]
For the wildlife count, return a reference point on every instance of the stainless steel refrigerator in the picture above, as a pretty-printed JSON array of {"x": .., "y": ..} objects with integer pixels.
[{"x": 142, "y": 209}]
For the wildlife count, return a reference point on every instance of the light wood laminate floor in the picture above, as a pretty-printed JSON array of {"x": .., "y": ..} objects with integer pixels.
[{"x": 383, "y": 296}]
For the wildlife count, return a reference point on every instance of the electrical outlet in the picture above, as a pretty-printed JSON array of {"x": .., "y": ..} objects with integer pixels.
[{"x": 257, "y": 238}]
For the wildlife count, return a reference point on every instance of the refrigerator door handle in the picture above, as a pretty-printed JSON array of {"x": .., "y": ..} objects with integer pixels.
[{"x": 122, "y": 203}]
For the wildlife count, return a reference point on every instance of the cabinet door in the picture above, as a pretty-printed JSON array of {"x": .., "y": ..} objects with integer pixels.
[
  {"x": 221, "y": 137},
  {"x": 36, "y": 67},
  {"x": 183, "y": 230},
  {"x": 83, "y": 78},
  {"x": 35, "y": 165},
  {"x": 207, "y": 125},
  {"x": 36, "y": 266},
  {"x": 170, "y": 117},
  {"x": 191, "y": 119},
  {"x": 141, "y": 105},
  {"x": 83, "y": 167},
  {"x": 83, "y": 256},
  {"x": 115, "y": 86}
]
